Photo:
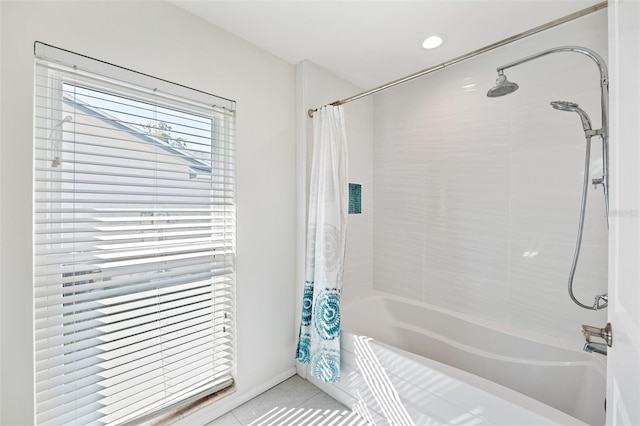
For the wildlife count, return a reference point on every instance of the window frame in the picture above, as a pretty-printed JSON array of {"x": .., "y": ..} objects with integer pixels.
[{"x": 101, "y": 83}]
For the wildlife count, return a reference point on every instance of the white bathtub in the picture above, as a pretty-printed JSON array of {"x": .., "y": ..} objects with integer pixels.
[{"x": 405, "y": 362}]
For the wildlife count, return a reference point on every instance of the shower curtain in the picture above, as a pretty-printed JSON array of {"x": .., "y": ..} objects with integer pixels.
[{"x": 319, "y": 338}]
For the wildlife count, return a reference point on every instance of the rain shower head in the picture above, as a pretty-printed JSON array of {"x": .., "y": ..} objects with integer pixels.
[
  {"x": 573, "y": 107},
  {"x": 502, "y": 87}
]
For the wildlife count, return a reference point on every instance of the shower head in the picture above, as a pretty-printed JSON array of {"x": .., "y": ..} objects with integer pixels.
[
  {"x": 564, "y": 105},
  {"x": 502, "y": 87},
  {"x": 573, "y": 107}
]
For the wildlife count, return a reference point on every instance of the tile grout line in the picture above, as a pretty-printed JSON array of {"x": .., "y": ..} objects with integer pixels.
[
  {"x": 236, "y": 419},
  {"x": 318, "y": 391}
]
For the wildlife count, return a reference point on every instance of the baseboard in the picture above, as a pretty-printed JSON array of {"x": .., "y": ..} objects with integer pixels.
[{"x": 216, "y": 409}]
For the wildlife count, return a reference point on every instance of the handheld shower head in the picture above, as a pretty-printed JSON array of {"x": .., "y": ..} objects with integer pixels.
[
  {"x": 503, "y": 87},
  {"x": 573, "y": 107},
  {"x": 564, "y": 105}
]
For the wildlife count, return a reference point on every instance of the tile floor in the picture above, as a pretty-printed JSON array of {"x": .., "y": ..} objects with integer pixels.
[{"x": 293, "y": 402}]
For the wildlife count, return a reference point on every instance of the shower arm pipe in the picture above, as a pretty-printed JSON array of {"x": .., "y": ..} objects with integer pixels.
[
  {"x": 602, "y": 67},
  {"x": 604, "y": 104},
  {"x": 548, "y": 25}
]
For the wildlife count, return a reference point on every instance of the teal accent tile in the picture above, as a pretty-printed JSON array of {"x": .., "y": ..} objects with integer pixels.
[{"x": 355, "y": 198}]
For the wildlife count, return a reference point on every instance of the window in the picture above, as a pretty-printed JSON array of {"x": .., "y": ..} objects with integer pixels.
[{"x": 134, "y": 246}]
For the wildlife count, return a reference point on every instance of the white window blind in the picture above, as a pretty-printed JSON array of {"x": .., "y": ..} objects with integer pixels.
[{"x": 134, "y": 246}]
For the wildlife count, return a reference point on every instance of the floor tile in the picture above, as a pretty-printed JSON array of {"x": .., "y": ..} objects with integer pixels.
[
  {"x": 288, "y": 394},
  {"x": 294, "y": 402},
  {"x": 227, "y": 420},
  {"x": 323, "y": 401}
]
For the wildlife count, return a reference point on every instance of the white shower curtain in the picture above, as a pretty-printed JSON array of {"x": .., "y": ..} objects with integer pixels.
[{"x": 319, "y": 338}]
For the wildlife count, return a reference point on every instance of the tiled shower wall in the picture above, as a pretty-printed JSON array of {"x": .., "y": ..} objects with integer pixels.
[{"x": 477, "y": 200}]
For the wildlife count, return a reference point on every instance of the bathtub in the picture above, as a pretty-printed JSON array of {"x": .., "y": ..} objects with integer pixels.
[{"x": 405, "y": 362}]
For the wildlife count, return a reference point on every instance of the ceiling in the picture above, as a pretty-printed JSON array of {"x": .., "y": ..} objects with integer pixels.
[{"x": 370, "y": 43}]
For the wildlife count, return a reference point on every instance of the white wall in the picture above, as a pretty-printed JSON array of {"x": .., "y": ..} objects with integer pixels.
[
  {"x": 477, "y": 199},
  {"x": 159, "y": 39},
  {"x": 317, "y": 87}
]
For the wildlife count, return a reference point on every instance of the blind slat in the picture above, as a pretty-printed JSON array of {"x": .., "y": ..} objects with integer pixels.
[
  {"x": 113, "y": 285},
  {"x": 87, "y": 369}
]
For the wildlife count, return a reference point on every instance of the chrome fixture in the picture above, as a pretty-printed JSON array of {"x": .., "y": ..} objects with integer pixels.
[
  {"x": 502, "y": 87},
  {"x": 599, "y": 348},
  {"x": 606, "y": 333},
  {"x": 573, "y": 107},
  {"x": 603, "y": 132},
  {"x": 505, "y": 87},
  {"x": 600, "y": 300}
]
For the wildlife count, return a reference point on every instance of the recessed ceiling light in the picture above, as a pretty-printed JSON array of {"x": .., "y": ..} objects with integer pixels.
[{"x": 432, "y": 42}]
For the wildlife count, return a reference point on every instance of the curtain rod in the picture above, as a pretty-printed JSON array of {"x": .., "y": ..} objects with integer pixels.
[{"x": 472, "y": 54}]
